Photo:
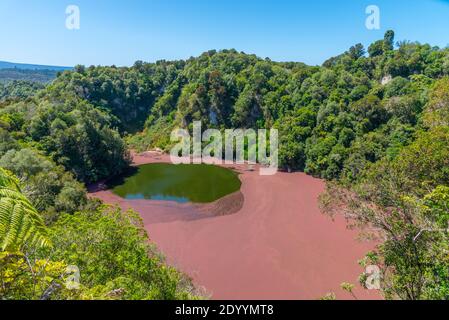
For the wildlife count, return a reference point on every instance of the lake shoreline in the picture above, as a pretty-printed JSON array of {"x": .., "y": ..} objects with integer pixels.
[{"x": 276, "y": 245}]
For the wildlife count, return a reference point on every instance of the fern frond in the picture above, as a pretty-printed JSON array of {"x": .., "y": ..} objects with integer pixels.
[{"x": 20, "y": 222}]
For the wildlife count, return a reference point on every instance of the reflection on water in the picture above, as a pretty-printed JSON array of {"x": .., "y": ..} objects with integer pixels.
[{"x": 159, "y": 197}]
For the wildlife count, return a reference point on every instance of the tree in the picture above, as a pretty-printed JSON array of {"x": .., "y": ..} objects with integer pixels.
[
  {"x": 389, "y": 40},
  {"x": 406, "y": 201},
  {"x": 357, "y": 51},
  {"x": 48, "y": 186},
  {"x": 437, "y": 109},
  {"x": 376, "y": 49}
]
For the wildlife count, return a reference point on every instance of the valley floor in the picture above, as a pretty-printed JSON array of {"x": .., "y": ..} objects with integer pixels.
[{"x": 277, "y": 246}]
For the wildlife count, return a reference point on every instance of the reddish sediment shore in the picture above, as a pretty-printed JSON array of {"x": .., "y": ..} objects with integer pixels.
[{"x": 277, "y": 245}]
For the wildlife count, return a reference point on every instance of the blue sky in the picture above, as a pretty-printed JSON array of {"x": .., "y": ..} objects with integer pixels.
[{"x": 120, "y": 32}]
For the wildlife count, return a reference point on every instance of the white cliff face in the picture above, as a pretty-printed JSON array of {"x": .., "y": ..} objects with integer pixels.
[{"x": 385, "y": 80}]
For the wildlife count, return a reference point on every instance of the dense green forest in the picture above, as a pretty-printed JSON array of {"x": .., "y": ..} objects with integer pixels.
[
  {"x": 374, "y": 123},
  {"x": 19, "y": 89},
  {"x": 34, "y": 75}
]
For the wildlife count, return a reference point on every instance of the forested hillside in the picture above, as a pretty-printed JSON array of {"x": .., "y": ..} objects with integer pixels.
[
  {"x": 19, "y": 90},
  {"x": 15, "y": 74},
  {"x": 28, "y": 72},
  {"x": 50, "y": 147},
  {"x": 374, "y": 123}
]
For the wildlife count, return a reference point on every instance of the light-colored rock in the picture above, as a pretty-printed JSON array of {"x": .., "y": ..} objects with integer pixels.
[{"x": 387, "y": 79}]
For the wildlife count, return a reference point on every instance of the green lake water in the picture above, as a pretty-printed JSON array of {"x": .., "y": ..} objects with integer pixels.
[{"x": 198, "y": 183}]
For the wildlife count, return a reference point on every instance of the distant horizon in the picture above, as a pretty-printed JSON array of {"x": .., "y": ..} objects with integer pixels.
[
  {"x": 194, "y": 56},
  {"x": 284, "y": 30},
  {"x": 40, "y": 66}
]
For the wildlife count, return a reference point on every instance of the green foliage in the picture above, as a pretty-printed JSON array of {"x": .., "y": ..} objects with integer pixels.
[
  {"x": 376, "y": 48},
  {"x": 294, "y": 129},
  {"x": 25, "y": 279},
  {"x": 393, "y": 196},
  {"x": 48, "y": 186},
  {"x": 7, "y": 142},
  {"x": 389, "y": 40},
  {"x": 32, "y": 75},
  {"x": 437, "y": 109},
  {"x": 128, "y": 93},
  {"x": 111, "y": 249},
  {"x": 73, "y": 133},
  {"x": 230, "y": 89},
  {"x": 375, "y": 125},
  {"x": 108, "y": 246},
  {"x": 20, "y": 223},
  {"x": 18, "y": 89}
]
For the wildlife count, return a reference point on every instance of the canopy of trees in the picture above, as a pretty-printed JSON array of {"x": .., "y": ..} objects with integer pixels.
[{"x": 373, "y": 122}]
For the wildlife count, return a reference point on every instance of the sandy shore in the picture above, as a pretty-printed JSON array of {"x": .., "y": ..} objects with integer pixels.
[{"x": 277, "y": 245}]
